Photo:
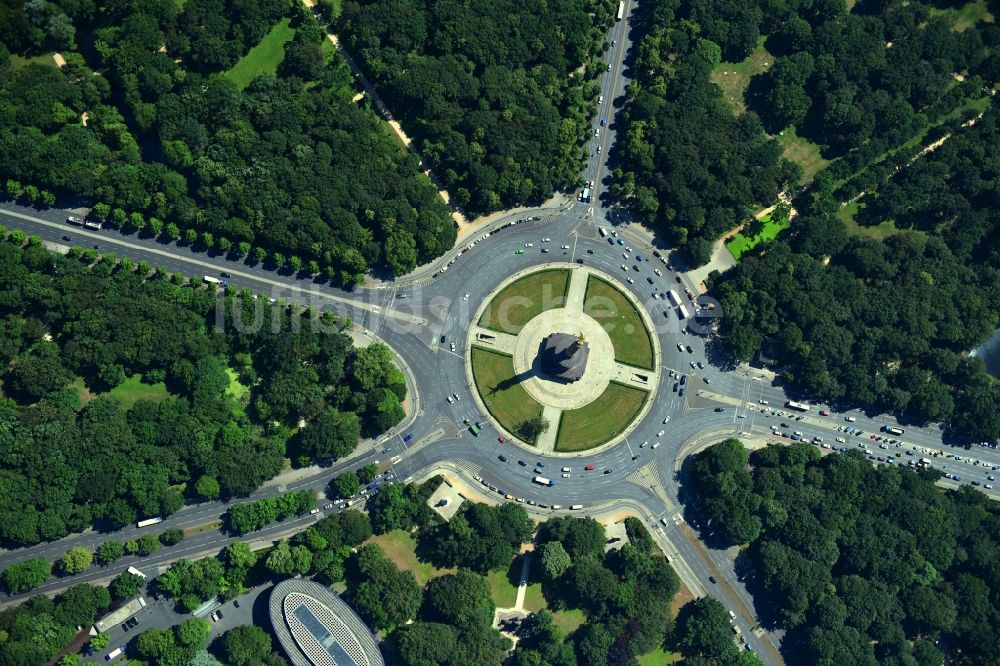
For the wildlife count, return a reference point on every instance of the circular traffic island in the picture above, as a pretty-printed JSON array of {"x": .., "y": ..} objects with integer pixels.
[{"x": 563, "y": 358}]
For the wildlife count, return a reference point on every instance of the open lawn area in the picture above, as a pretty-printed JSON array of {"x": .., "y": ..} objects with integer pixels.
[
  {"x": 597, "y": 422},
  {"x": 616, "y": 315},
  {"x": 569, "y": 620},
  {"x": 739, "y": 244},
  {"x": 503, "y": 584},
  {"x": 801, "y": 151},
  {"x": 129, "y": 392},
  {"x": 45, "y": 59},
  {"x": 263, "y": 58},
  {"x": 967, "y": 15},
  {"x": 236, "y": 390},
  {"x": 523, "y": 300},
  {"x": 507, "y": 401},
  {"x": 734, "y": 77},
  {"x": 401, "y": 548},
  {"x": 657, "y": 658}
]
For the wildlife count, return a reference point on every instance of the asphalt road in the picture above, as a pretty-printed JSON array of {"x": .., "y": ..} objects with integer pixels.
[{"x": 414, "y": 315}]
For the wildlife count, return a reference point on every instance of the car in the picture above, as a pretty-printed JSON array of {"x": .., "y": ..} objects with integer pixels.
[
  {"x": 658, "y": 271},
  {"x": 649, "y": 279},
  {"x": 443, "y": 339},
  {"x": 540, "y": 464},
  {"x": 314, "y": 511},
  {"x": 635, "y": 268},
  {"x": 502, "y": 458},
  {"x": 466, "y": 297},
  {"x": 453, "y": 346},
  {"x": 694, "y": 365},
  {"x": 706, "y": 380},
  {"x": 450, "y": 399},
  {"x": 565, "y": 476},
  {"x": 96, "y": 246},
  {"x": 604, "y": 121},
  {"x": 67, "y": 238},
  {"x": 624, "y": 267},
  {"x": 825, "y": 412},
  {"x": 609, "y": 470},
  {"x": 666, "y": 420},
  {"x": 630, "y": 280},
  {"x": 73, "y": 219},
  {"x": 327, "y": 507},
  {"x": 684, "y": 379},
  {"x": 124, "y": 626},
  {"x": 501, "y": 439},
  {"x": 225, "y": 275},
  {"x": 545, "y": 250},
  {"x": 656, "y": 445},
  {"x": 133, "y": 622},
  {"x": 614, "y": 42},
  {"x": 589, "y": 251},
  {"x": 519, "y": 251},
  {"x": 236, "y": 603},
  {"x": 681, "y": 392},
  {"x": 660, "y": 434},
  {"x": 456, "y": 396},
  {"x": 565, "y": 247},
  {"x": 597, "y": 132},
  {"x": 621, "y": 241},
  {"x": 701, "y": 366},
  {"x": 676, "y": 386},
  {"x": 680, "y": 347},
  {"x": 711, "y": 579},
  {"x": 720, "y": 409},
  {"x": 677, "y": 278},
  {"x": 589, "y": 468},
  {"x": 625, "y": 256},
  {"x": 690, "y": 350},
  {"x": 522, "y": 463},
  {"x": 579, "y": 261},
  {"x": 638, "y": 257},
  {"x": 529, "y": 245},
  {"x": 598, "y": 149},
  {"x": 546, "y": 240}
]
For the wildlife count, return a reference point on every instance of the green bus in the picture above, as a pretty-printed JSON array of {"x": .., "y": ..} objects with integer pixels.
[{"x": 474, "y": 429}]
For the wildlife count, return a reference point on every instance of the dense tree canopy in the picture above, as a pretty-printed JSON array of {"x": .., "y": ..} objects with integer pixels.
[
  {"x": 495, "y": 93},
  {"x": 887, "y": 322},
  {"x": 67, "y": 465},
  {"x": 289, "y": 163},
  {"x": 861, "y": 562},
  {"x": 36, "y": 630}
]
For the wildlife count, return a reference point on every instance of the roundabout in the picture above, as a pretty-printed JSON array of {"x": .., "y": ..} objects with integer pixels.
[{"x": 563, "y": 345}]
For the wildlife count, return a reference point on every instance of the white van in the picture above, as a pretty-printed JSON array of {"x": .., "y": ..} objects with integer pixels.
[{"x": 575, "y": 507}]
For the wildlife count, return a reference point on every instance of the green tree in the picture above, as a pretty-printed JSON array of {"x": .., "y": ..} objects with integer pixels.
[
  {"x": 289, "y": 561},
  {"x": 207, "y": 487},
  {"x": 100, "y": 642},
  {"x": 29, "y": 574},
  {"x": 461, "y": 600},
  {"x": 246, "y": 645},
  {"x": 703, "y": 630},
  {"x": 109, "y": 551},
  {"x": 555, "y": 560},
  {"x": 368, "y": 473},
  {"x": 193, "y": 632},
  {"x": 530, "y": 429},
  {"x": 172, "y": 537},
  {"x": 125, "y": 585},
  {"x": 148, "y": 544},
  {"x": 345, "y": 485}
]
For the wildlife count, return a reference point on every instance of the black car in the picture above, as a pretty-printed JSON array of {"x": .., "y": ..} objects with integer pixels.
[
  {"x": 540, "y": 464},
  {"x": 607, "y": 471},
  {"x": 522, "y": 463},
  {"x": 67, "y": 238},
  {"x": 684, "y": 379},
  {"x": 720, "y": 409},
  {"x": 236, "y": 603},
  {"x": 96, "y": 246},
  {"x": 675, "y": 387},
  {"x": 711, "y": 579},
  {"x": 443, "y": 339},
  {"x": 579, "y": 261},
  {"x": 784, "y": 425},
  {"x": 678, "y": 278},
  {"x": 225, "y": 275},
  {"x": 124, "y": 626},
  {"x": 502, "y": 458},
  {"x": 649, "y": 280},
  {"x": 590, "y": 252},
  {"x": 681, "y": 392},
  {"x": 689, "y": 349}
]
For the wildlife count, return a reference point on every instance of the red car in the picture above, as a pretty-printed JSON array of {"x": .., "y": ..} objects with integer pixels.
[
  {"x": 825, "y": 412},
  {"x": 589, "y": 468},
  {"x": 501, "y": 439}
]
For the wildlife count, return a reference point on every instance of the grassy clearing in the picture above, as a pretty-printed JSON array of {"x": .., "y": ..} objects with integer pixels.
[
  {"x": 734, "y": 77},
  {"x": 46, "y": 59},
  {"x": 236, "y": 389},
  {"x": 803, "y": 152},
  {"x": 739, "y": 244},
  {"x": 129, "y": 392},
  {"x": 658, "y": 657},
  {"x": 534, "y": 600},
  {"x": 265, "y": 57},
  {"x": 879, "y": 232},
  {"x": 507, "y": 401},
  {"x": 967, "y": 15},
  {"x": 596, "y": 423},
  {"x": 569, "y": 620},
  {"x": 619, "y": 318},
  {"x": 521, "y": 301},
  {"x": 400, "y": 547},
  {"x": 503, "y": 589}
]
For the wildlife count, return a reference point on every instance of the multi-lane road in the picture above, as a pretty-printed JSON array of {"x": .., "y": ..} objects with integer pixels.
[{"x": 421, "y": 316}]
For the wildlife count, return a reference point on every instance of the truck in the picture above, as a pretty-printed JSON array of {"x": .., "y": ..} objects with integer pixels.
[
  {"x": 136, "y": 572},
  {"x": 474, "y": 429},
  {"x": 585, "y": 195},
  {"x": 211, "y": 279},
  {"x": 924, "y": 462},
  {"x": 575, "y": 507},
  {"x": 149, "y": 521},
  {"x": 74, "y": 220},
  {"x": 114, "y": 654},
  {"x": 798, "y": 406},
  {"x": 674, "y": 298},
  {"x": 892, "y": 430},
  {"x": 542, "y": 481},
  {"x": 90, "y": 224},
  {"x": 621, "y": 10},
  {"x": 682, "y": 312}
]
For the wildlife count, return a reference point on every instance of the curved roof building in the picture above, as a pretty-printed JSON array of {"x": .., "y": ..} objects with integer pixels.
[
  {"x": 564, "y": 356},
  {"x": 316, "y": 628}
]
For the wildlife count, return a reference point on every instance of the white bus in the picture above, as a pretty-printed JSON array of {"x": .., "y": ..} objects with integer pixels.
[
  {"x": 149, "y": 521},
  {"x": 674, "y": 298},
  {"x": 542, "y": 481},
  {"x": 621, "y": 10},
  {"x": 136, "y": 572},
  {"x": 212, "y": 279},
  {"x": 114, "y": 654},
  {"x": 575, "y": 507},
  {"x": 682, "y": 312},
  {"x": 800, "y": 406}
]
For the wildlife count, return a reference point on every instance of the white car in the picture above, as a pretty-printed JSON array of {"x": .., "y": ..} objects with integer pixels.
[
  {"x": 656, "y": 445},
  {"x": 565, "y": 247},
  {"x": 666, "y": 420},
  {"x": 657, "y": 271},
  {"x": 624, "y": 267},
  {"x": 625, "y": 254},
  {"x": 529, "y": 245},
  {"x": 680, "y": 347},
  {"x": 565, "y": 476},
  {"x": 597, "y": 132},
  {"x": 466, "y": 297},
  {"x": 453, "y": 346},
  {"x": 450, "y": 400},
  {"x": 660, "y": 434},
  {"x": 630, "y": 281},
  {"x": 546, "y": 240}
]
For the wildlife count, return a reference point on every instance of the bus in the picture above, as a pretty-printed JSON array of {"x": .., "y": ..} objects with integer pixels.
[
  {"x": 474, "y": 429},
  {"x": 114, "y": 654},
  {"x": 621, "y": 10},
  {"x": 149, "y": 521},
  {"x": 682, "y": 312},
  {"x": 800, "y": 406},
  {"x": 136, "y": 572},
  {"x": 90, "y": 224},
  {"x": 542, "y": 481},
  {"x": 211, "y": 279},
  {"x": 674, "y": 298},
  {"x": 893, "y": 430}
]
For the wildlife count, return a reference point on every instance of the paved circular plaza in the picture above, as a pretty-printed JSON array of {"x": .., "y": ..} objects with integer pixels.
[{"x": 594, "y": 326}]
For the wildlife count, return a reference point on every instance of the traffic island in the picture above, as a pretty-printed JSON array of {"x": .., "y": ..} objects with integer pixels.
[{"x": 563, "y": 359}]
